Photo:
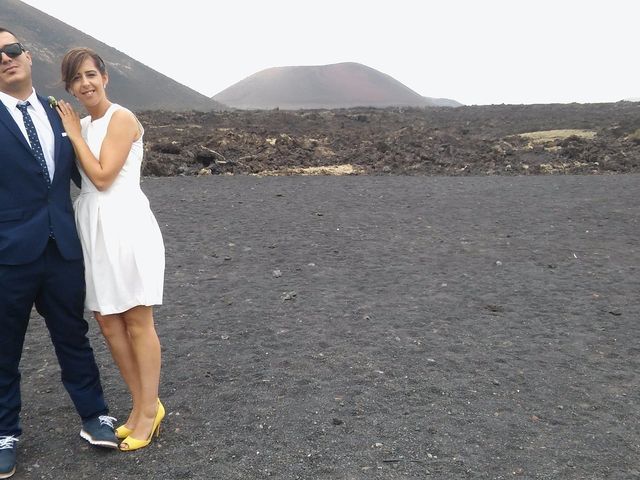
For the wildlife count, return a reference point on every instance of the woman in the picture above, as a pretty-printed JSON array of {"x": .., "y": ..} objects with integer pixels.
[{"x": 121, "y": 241}]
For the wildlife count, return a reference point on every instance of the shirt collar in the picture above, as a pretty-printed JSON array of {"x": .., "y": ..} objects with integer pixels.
[{"x": 12, "y": 102}]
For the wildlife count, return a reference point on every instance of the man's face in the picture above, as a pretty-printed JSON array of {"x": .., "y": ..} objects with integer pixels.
[{"x": 15, "y": 73}]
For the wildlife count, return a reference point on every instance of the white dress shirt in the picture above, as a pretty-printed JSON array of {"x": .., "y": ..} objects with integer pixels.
[{"x": 41, "y": 122}]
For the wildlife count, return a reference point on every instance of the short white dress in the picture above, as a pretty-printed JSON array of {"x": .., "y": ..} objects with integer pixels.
[{"x": 121, "y": 242}]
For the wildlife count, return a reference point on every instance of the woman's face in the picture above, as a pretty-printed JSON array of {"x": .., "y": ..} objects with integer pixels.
[{"x": 88, "y": 84}]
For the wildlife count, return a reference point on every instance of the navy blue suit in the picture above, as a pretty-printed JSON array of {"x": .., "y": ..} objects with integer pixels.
[{"x": 36, "y": 269}]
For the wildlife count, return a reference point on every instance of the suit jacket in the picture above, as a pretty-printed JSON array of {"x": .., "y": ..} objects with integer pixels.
[{"x": 27, "y": 207}]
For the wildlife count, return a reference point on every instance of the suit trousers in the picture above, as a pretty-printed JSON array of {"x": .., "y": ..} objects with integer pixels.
[{"x": 56, "y": 287}]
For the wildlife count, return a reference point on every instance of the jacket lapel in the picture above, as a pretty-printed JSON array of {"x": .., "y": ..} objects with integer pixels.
[
  {"x": 7, "y": 119},
  {"x": 56, "y": 126}
]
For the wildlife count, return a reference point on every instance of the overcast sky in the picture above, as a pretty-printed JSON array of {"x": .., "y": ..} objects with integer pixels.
[{"x": 473, "y": 51}]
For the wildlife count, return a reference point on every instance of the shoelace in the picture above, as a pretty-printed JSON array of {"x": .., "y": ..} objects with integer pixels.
[
  {"x": 106, "y": 420},
  {"x": 7, "y": 442}
]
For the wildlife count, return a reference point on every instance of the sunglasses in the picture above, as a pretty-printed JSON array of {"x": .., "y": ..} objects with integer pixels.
[{"x": 12, "y": 50}]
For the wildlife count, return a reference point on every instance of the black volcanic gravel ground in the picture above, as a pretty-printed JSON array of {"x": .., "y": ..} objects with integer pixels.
[{"x": 377, "y": 327}]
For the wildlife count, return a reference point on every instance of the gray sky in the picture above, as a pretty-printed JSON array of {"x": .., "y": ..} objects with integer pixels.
[{"x": 473, "y": 51}]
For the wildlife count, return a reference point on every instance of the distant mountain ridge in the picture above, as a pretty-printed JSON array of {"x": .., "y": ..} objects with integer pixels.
[
  {"x": 339, "y": 85},
  {"x": 133, "y": 84}
]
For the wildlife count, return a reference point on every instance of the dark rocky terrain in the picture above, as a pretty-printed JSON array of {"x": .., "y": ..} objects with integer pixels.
[
  {"x": 477, "y": 324},
  {"x": 470, "y": 140}
]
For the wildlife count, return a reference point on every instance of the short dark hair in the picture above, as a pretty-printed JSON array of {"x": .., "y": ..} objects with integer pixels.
[
  {"x": 72, "y": 61},
  {"x": 2, "y": 29}
]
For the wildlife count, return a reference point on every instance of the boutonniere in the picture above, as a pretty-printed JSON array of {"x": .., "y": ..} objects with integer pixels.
[{"x": 53, "y": 103}]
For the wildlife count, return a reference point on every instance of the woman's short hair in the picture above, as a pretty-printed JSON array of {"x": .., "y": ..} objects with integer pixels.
[{"x": 72, "y": 61}]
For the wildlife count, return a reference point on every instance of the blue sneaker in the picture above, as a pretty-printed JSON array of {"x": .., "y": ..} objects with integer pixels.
[
  {"x": 99, "y": 431},
  {"x": 7, "y": 456}
]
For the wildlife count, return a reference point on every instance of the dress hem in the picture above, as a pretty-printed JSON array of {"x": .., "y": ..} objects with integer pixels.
[{"x": 115, "y": 310}]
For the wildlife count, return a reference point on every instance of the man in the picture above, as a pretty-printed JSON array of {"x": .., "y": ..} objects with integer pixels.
[{"x": 40, "y": 254}]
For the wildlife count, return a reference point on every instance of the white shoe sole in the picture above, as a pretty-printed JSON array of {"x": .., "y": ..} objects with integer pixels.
[
  {"x": 8, "y": 474},
  {"x": 98, "y": 443}
]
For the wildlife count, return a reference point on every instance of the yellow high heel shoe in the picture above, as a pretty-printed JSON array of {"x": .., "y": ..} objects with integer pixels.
[
  {"x": 123, "y": 432},
  {"x": 129, "y": 443}
]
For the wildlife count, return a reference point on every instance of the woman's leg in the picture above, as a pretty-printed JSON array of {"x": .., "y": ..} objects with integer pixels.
[
  {"x": 115, "y": 332},
  {"x": 145, "y": 347}
]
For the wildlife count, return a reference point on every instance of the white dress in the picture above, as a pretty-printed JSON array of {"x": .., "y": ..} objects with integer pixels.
[{"x": 121, "y": 241}]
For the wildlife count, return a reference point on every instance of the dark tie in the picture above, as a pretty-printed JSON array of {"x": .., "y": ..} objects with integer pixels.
[{"x": 36, "y": 148}]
